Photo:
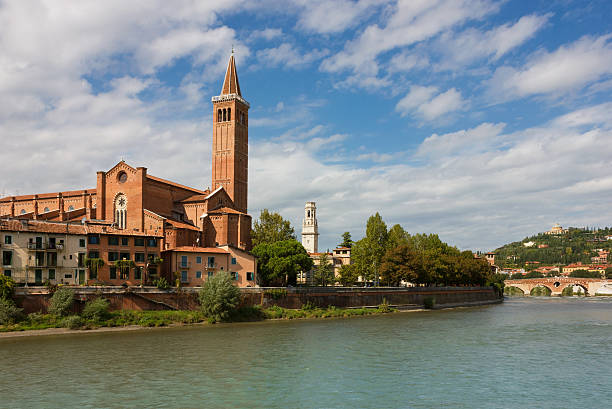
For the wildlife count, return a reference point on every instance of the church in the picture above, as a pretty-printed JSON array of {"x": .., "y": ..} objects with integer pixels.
[{"x": 186, "y": 224}]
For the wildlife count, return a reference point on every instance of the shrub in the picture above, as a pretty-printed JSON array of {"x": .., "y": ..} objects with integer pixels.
[
  {"x": 308, "y": 306},
  {"x": 429, "y": 302},
  {"x": 219, "y": 297},
  {"x": 384, "y": 306},
  {"x": 96, "y": 310},
  {"x": 9, "y": 313},
  {"x": 62, "y": 301},
  {"x": 7, "y": 287},
  {"x": 161, "y": 283},
  {"x": 276, "y": 293},
  {"x": 72, "y": 322}
]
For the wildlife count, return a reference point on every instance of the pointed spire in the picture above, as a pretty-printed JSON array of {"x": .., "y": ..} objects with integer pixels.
[{"x": 230, "y": 84}]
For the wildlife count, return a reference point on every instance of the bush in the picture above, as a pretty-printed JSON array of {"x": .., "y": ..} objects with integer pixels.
[
  {"x": 96, "y": 310},
  {"x": 161, "y": 283},
  {"x": 384, "y": 306},
  {"x": 62, "y": 301},
  {"x": 72, "y": 322},
  {"x": 9, "y": 313},
  {"x": 429, "y": 302},
  {"x": 7, "y": 287},
  {"x": 219, "y": 297}
]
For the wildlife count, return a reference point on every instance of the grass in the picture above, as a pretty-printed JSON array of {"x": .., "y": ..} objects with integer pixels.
[{"x": 124, "y": 318}]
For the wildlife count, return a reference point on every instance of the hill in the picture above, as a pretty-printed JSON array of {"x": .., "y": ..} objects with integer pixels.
[{"x": 571, "y": 246}]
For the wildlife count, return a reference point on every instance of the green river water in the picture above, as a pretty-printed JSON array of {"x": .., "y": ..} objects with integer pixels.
[{"x": 524, "y": 353}]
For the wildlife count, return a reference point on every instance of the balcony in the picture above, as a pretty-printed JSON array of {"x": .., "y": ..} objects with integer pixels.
[
  {"x": 37, "y": 246},
  {"x": 55, "y": 246},
  {"x": 212, "y": 266},
  {"x": 181, "y": 265}
]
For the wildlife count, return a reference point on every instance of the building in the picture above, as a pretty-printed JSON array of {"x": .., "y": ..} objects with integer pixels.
[
  {"x": 557, "y": 229},
  {"x": 36, "y": 252},
  {"x": 129, "y": 205},
  {"x": 310, "y": 228}
]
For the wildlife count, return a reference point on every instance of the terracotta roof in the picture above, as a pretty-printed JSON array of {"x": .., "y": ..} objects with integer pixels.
[
  {"x": 196, "y": 198},
  {"x": 69, "y": 193},
  {"x": 182, "y": 225},
  {"x": 41, "y": 227},
  {"x": 101, "y": 229},
  {"x": 224, "y": 210},
  {"x": 230, "y": 83},
  {"x": 192, "y": 249},
  {"x": 167, "y": 182}
]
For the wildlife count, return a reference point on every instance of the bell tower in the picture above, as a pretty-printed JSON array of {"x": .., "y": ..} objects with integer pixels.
[
  {"x": 230, "y": 153},
  {"x": 310, "y": 228}
]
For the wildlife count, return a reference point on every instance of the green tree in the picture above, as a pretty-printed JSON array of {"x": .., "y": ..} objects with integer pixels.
[
  {"x": 9, "y": 313},
  {"x": 346, "y": 240},
  {"x": 270, "y": 228},
  {"x": 400, "y": 263},
  {"x": 374, "y": 245},
  {"x": 348, "y": 275},
  {"x": 585, "y": 274},
  {"x": 609, "y": 273},
  {"x": 61, "y": 301},
  {"x": 324, "y": 272},
  {"x": 7, "y": 287},
  {"x": 397, "y": 236},
  {"x": 278, "y": 263},
  {"x": 96, "y": 310},
  {"x": 219, "y": 297}
]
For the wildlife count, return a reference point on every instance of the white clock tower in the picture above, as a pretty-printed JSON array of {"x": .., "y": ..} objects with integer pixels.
[{"x": 310, "y": 229}]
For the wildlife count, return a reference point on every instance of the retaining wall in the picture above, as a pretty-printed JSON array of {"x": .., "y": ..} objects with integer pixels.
[{"x": 34, "y": 299}]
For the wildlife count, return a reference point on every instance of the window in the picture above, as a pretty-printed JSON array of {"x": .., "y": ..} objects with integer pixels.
[
  {"x": 70, "y": 208},
  {"x": 51, "y": 274},
  {"x": 139, "y": 257},
  {"x": 51, "y": 259},
  {"x": 8, "y": 273},
  {"x": 93, "y": 274},
  {"x": 125, "y": 241},
  {"x": 113, "y": 256},
  {"x": 198, "y": 259},
  {"x": 8, "y": 239},
  {"x": 224, "y": 114},
  {"x": 198, "y": 274},
  {"x": 94, "y": 239},
  {"x": 151, "y": 257},
  {"x": 81, "y": 260},
  {"x": 183, "y": 261},
  {"x": 219, "y": 116},
  {"x": 124, "y": 273},
  {"x": 23, "y": 211},
  {"x": 124, "y": 256},
  {"x": 151, "y": 242},
  {"x": 81, "y": 242},
  {"x": 67, "y": 275},
  {"x": 138, "y": 273},
  {"x": 94, "y": 254},
  {"x": 113, "y": 241},
  {"x": 139, "y": 241},
  {"x": 183, "y": 276},
  {"x": 7, "y": 258},
  {"x": 233, "y": 260},
  {"x": 235, "y": 276},
  {"x": 250, "y": 276},
  {"x": 211, "y": 262},
  {"x": 229, "y": 114},
  {"x": 113, "y": 272},
  {"x": 122, "y": 177},
  {"x": 210, "y": 274},
  {"x": 121, "y": 210}
]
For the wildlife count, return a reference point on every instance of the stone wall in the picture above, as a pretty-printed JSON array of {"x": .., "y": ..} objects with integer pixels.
[{"x": 34, "y": 299}]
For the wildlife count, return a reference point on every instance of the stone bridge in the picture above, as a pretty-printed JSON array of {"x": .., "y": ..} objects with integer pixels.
[{"x": 556, "y": 285}]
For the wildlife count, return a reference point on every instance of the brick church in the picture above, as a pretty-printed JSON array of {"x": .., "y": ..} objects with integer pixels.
[{"x": 188, "y": 224}]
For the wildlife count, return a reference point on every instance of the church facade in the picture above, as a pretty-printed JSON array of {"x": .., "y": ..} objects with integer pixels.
[{"x": 178, "y": 220}]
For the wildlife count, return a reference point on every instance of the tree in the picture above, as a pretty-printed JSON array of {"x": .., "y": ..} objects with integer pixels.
[
  {"x": 585, "y": 274},
  {"x": 7, "y": 287},
  {"x": 609, "y": 273},
  {"x": 219, "y": 297},
  {"x": 346, "y": 240},
  {"x": 278, "y": 263},
  {"x": 61, "y": 301},
  {"x": 348, "y": 275},
  {"x": 399, "y": 264},
  {"x": 397, "y": 236},
  {"x": 270, "y": 228},
  {"x": 9, "y": 313},
  {"x": 375, "y": 244},
  {"x": 324, "y": 272}
]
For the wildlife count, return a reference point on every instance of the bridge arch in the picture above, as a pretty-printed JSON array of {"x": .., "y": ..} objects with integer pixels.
[
  {"x": 513, "y": 290},
  {"x": 541, "y": 290},
  {"x": 585, "y": 290}
]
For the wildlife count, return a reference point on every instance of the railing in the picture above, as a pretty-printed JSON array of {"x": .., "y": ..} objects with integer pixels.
[
  {"x": 180, "y": 264},
  {"x": 37, "y": 246},
  {"x": 229, "y": 97}
]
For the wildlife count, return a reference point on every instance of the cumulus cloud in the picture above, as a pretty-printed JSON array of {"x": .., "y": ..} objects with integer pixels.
[
  {"x": 321, "y": 16},
  {"x": 289, "y": 56},
  {"x": 570, "y": 67},
  {"x": 428, "y": 104}
]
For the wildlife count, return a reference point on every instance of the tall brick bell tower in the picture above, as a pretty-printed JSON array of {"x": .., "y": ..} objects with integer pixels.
[{"x": 230, "y": 153}]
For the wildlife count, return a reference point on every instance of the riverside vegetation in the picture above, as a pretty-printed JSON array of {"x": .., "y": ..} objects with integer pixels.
[{"x": 219, "y": 302}]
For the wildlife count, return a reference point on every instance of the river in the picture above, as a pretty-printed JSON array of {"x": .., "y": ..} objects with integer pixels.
[{"x": 526, "y": 352}]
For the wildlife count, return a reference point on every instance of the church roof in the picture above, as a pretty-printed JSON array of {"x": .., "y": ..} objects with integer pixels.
[{"x": 231, "y": 84}]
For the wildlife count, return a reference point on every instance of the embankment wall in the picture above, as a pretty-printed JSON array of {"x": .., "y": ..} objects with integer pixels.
[{"x": 35, "y": 299}]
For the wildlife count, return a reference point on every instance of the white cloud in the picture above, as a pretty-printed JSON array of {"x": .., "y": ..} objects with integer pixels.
[
  {"x": 570, "y": 67},
  {"x": 267, "y": 34},
  {"x": 411, "y": 22},
  {"x": 289, "y": 56},
  {"x": 482, "y": 138},
  {"x": 322, "y": 16},
  {"x": 463, "y": 48},
  {"x": 428, "y": 104}
]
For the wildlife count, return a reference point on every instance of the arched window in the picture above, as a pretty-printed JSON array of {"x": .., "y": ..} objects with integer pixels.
[
  {"x": 229, "y": 114},
  {"x": 23, "y": 211},
  {"x": 121, "y": 211},
  {"x": 219, "y": 116},
  {"x": 71, "y": 208},
  {"x": 46, "y": 210},
  {"x": 224, "y": 114}
]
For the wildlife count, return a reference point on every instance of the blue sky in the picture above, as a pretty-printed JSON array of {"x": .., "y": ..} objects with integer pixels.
[{"x": 484, "y": 121}]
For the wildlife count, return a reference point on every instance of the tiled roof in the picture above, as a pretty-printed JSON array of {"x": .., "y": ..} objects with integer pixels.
[
  {"x": 192, "y": 249},
  {"x": 69, "y": 193},
  {"x": 182, "y": 225},
  {"x": 230, "y": 83},
  {"x": 167, "y": 182},
  {"x": 41, "y": 227},
  {"x": 222, "y": 210},
  {"x": 101, "y": 229}
]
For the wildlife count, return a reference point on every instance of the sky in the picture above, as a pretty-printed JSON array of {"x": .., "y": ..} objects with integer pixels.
[{"x": 483, "y": 121}]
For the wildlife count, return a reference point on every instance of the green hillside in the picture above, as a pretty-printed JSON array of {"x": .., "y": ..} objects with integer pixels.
[{"x": 578, "y": 244}]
